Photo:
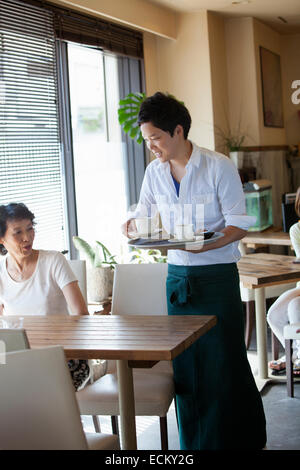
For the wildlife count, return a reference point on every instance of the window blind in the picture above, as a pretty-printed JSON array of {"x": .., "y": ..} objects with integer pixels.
[
  {"x": 84, "y": 29},
  {"x": 30, "y": 159}
]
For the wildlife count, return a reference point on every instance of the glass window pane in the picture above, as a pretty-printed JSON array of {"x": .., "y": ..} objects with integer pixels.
[{"x": 99, "y": 161}]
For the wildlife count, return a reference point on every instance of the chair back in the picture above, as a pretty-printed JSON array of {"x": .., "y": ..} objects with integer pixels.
[
  {"x": 38, "y": 407},
  {"x": 140, "y": 289},
  {"x": 14, "y": 339},
  {"x": 78, "y": 267}
]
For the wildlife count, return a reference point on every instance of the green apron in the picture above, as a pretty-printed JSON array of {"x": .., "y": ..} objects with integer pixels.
[{"x": 217, "y": 401}]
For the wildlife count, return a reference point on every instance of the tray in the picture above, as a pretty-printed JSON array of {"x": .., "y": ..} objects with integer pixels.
[{"x": 209, "y": 237}]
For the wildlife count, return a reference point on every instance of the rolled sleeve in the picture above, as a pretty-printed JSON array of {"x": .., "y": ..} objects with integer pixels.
[
  {"x": 241, "y": 221},
  {"x": 232, "y": 198}
]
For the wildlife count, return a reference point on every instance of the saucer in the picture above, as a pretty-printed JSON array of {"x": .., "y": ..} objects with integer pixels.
[
  {"x": 144, "y": 235},
  {"x": 195, "y": 238},
  {"x": 182, "y": 240}
]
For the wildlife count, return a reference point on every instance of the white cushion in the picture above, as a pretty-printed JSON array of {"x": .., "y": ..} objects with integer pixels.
[
  {"x": 271, "y": 291},
  {"x": 153, "y": 394},
  {"x": 289, "y": 331},
  {"x": 99, "y": 441}
]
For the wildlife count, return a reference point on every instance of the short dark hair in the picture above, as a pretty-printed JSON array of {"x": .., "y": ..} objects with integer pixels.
[
  {"x": 12, "y": 211},
  {"x": 165, "y": 112}
]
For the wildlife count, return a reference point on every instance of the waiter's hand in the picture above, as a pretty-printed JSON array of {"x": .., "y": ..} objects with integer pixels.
[
  {"x": 231, "y": 234},
  {"x": 129, "y": 226}
]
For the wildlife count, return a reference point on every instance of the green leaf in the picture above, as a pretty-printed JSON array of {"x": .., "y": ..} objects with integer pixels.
[
  {"x": 140, "y": 138},
  {"x": 106, "y": 252},
  {"x": 125, "y": 101},
  {"x": 129, "y": 124},
  {"x": 134, "y": 132},
  {"x": 126, "y": 116},
  {"x": 133, "y": 109},
  {"x": 83, "y": 246}
]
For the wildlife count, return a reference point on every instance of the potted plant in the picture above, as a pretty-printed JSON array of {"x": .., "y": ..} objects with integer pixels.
[
  {"x": 139, "y": 256},
  {"x": 100, "y": 269},
  {"x": 232, "y": 141}
]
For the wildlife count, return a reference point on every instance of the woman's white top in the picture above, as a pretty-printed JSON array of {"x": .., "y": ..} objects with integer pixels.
[
  {"x": 41, "y": 294},
  {"x": 295, "y": 238},
  {"x": 210, "y": 196}
]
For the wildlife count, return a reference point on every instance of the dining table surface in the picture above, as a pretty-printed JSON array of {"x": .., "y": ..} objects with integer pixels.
[
  {"x": 267, "y": 269},
  {"x": 270, "y": 236},
  {"x": 132, "y": 340},
  {"x": 257, "y": 271}
]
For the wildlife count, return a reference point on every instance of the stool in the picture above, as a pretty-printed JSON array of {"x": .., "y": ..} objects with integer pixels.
[{"x": 290, "y": 334}]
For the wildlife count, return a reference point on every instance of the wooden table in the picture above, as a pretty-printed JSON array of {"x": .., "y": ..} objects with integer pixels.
[
  {"x": 133, "y": 340},
  {"x": 257, "y": 271},
  {"x": 270, "y": 236}
]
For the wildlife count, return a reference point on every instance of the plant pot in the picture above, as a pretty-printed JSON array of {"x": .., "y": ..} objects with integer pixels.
[
  {"x": 99, "y": 283},
  {"x": 237, "y": 158}
]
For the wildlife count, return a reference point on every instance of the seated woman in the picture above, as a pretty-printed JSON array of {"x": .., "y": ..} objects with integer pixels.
[
  {"x": 286, "y": 309},
  {"x": 36, "y": 282}
]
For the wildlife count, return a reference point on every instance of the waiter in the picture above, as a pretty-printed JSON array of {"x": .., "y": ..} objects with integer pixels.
[{"x": 218, "y": 404}]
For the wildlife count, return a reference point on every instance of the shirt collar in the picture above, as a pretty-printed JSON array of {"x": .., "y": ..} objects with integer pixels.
[{"x": 194, "y": 158}]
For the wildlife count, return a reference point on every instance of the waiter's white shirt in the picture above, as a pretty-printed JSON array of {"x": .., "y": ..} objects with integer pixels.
[{"x": 211, "y": 182}]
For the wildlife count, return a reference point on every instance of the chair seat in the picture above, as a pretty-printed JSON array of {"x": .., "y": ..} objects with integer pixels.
[
  {"x": 153, "y": 394},
  {"x": 161, "y": 366},
  {"x": 289, "y": 331},
  {"x": 271, "y": 291},
  {"x": 97, "y": 441}
]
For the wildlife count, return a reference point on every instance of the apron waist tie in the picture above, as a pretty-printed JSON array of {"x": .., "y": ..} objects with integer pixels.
[{"x": 182, "y": 293}]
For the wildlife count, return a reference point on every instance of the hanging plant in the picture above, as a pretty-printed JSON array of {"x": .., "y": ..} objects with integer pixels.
[{"x": 128, "y": 111}]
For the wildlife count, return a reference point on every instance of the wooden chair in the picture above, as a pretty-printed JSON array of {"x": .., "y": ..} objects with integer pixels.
[{"x": 38, "y": 407}]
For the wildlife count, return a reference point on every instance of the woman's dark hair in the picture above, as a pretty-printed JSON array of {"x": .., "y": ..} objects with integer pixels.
[
  {"x": 165, "y": 113},
  {"x": 12, "y": 211},
  {"x": 297, "y": 202}
]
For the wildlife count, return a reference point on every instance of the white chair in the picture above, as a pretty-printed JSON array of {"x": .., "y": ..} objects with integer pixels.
[
  {"x": 290, "y": 334},
  {"x": 38, "y": 408},
  {"x": 78, "y": 267},
  {"x": 247, "y": 296},
  {"x": 138, "y": 289},
  {"x": 14, "y": 339}
]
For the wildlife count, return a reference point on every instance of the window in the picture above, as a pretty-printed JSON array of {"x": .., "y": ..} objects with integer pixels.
[
  {"x": 62, "y": 151},
  {"x": 98, "y": 152}
]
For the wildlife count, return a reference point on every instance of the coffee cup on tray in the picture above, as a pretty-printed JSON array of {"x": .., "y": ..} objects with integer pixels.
[
  {"x": 184, "y": 232},
  {"x": 145, "y": 225}
]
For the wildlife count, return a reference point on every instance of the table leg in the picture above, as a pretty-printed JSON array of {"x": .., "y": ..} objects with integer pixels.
[
  {"x": 261, "y": 332},
  {"x": 126, "y": 404}
]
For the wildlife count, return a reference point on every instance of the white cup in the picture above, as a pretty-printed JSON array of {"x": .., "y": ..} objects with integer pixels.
[
  {"x": 145, "y": 225},
  {"x": 184, "y": 232},
  {"x": 12, "y": 322}
]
